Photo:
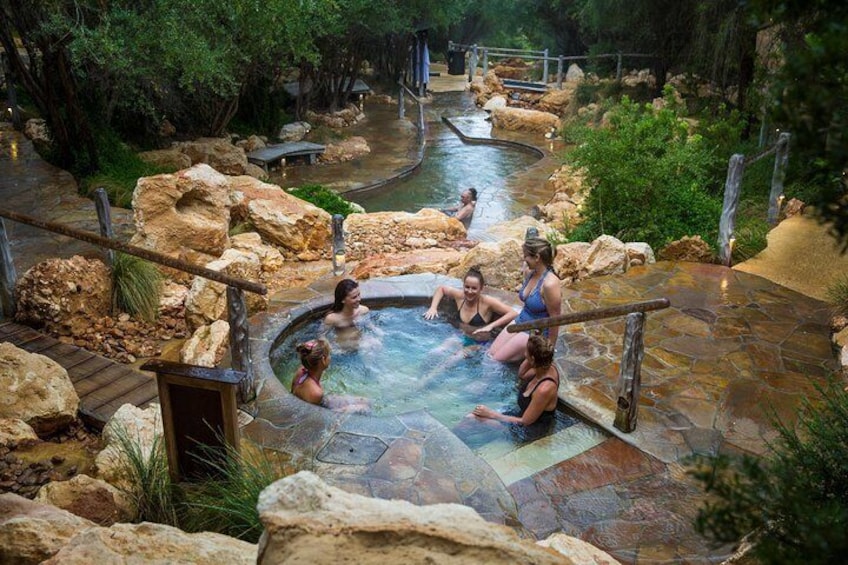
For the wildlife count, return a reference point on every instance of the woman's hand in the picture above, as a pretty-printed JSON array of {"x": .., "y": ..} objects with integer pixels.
[
  {"x": 431, "y": 314},
  {"x": 483, "y": 412}
]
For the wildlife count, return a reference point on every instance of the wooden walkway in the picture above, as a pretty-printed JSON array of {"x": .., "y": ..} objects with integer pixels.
[
  {"x": 274, "y": 153},
  {"x": 103, "y": 385}
]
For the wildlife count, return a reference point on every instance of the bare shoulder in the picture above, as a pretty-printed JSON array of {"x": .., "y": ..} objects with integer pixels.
[
  {"x": 363, "y": 309},
  {"x": 332, "y": 319}
]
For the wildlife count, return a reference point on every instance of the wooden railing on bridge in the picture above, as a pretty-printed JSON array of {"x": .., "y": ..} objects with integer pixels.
[
  {"x": 236, "y": 305},
  {"x": 630, "y": 375}
]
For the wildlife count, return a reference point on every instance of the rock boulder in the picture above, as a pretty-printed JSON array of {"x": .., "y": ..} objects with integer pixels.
[
  {"x": 393, "y": 232},
  {"x": 219, "y": 153},
  {"x": 88, "y": 498},
  {"x": 519, "y": 119}
]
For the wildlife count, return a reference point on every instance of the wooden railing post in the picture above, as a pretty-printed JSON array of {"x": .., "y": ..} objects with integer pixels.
[
  {"x": 778, "y": 176},
  {"x": 545, "y": 68},
  {"x": 618, "y": 67},
  {"x": 240, "y": 343},
  {"x": 485, "y": 60},
  {"x": 559, "y": 72},
  {"x": 472, "y": 63},
  {"x": 727, "y": 223},
  {"x": 401, "y": 108},
  {"x": 8, "y": 277},
  {"x": 104, "y": 219},
  {"x": 630, "y": 377}
]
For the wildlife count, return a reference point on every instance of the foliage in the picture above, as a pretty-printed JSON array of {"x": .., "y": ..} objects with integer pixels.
[
  {"x": 226, "y": 502},
  {"x": 837, "y": 294},
  {"x": 322, "y": 197},
  {"x": 795, "y": 500},
  {"x": 650, "y": 179},
  {"x": 751, "y": 234},
  {"x": 136, "y": 286},
  {"x": 149, "y": 486}
]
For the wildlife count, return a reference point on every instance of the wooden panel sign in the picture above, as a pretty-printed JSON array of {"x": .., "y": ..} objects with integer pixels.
[{"x": 199, "y": 416}]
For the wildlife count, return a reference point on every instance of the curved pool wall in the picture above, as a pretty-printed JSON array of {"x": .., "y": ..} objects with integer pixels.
[{"x": 409, "y": 456}]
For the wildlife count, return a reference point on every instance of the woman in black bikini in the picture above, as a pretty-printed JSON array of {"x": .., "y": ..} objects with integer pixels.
[
  {"x": 479, "y": 314},
  {"x": 537, "y": 398}
]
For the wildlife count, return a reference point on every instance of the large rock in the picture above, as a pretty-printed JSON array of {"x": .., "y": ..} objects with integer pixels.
[
  {"x": 578, "y": 550},
  {"x": 345, "y": 150},
  {"x": 570, "y": 260},
  {"x": 219, "y": 153},
  {"x": 31, "y": 532},
  {"x": 207, "y": 346},
  {"x": 207, "y": 299},
  {"x": 499, "y": 261},
  {"x": 294, "y": 131},
  {"x": 143, "y": 427},
  {"x": 270, "y": 258},
  {"x": 252, "y": 143},
  {"x": 89, "y": 498},
  {"x": 605, "y": 256},
  {"x": 152, "y": 543},
  {"x": 519, "y": 119},
  {"x": 14, "y": 431},
  {"x": 407, "y": 263},
  {"x": 299, "y": 229},
  {"x": 557, "y": 100},
  {"x": 340, "y": 119},
  {"x": 517, "y": 228},
  {"x": 183, "y": 212},
  {"x": 35, "y": 389},
  {"x": 574, "y": 73},
  {"x": 392, "y": 232},
  {"x": 639, "y": 253},
  {"x": 307, "y": 521},
  {"x": 688, "y": 248},
  {"x": 569, "y": 193},
  {"x": 64, "y": 295},
  {"x": 172, "y": 158}
]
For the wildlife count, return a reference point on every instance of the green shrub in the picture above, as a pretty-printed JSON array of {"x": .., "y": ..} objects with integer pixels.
[
  {"x": 136, "y": 286},
  {"x": 751, "y": 236},
  {"x": 322, "y": 197},
  {"x": 837, "y": 294},
  {"x": 227, "y": 503},
  {"x": 649, "y": 178},
  {"x": 795, "y": 500}
]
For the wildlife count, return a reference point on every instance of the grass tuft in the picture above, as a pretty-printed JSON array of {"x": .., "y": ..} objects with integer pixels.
[
  {"x": 136, "y": 286},
  {"x": 837, "y": 294}
]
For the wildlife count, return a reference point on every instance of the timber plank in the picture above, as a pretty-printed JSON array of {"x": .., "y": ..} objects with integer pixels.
[
  {"x": 95, "y": 381},
  {"x": 88, "y": 367},
  {"x": 38, "y": 343},
  {"x": 120, "y": 383},
  {"x": 67, "y": 355},
  {"x": 22, "y": 336}
]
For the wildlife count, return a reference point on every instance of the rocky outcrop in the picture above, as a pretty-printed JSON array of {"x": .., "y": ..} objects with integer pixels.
[
  {"x": 31, "y": 532},
  {"x": 520, "y": 119},
  {"x": 183, "y": 212},
  {"x": 207, "y": 346},
  {"x": 62, "y": 295},
  {"x": 307, "y": 521},
  {"x": 688, "y": 248},
  {"x": 574, "y": 73},
  {"x": 500, "y": 263},
  {"x": 143, "y": 427},
  {"x": 569, "y": 192},
  {"x": 345, "y": 150},
  {"x": 337, "y": 120},
  {"x": 252, "y": 143},
  {"x": 606, "y": 255},
  {"x": 172, "y": 158},
  {"x": 219, "y": 153},
  {"x": 517, "y": 228},
  {"x": 35, "y": 389},
  {"x": 408, "y": 263},
  {"x": 294, "y": 131},
  {"x": 270, "y": 258},
  {"x": 14, "y": 431},
  {"x": 88, "y": 498},
  {"x": 578, "y": 550},
  {"x": 393, "y": 232}
]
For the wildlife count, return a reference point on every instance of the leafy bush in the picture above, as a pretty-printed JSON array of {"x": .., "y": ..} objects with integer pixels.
[
  {"x": 795, "y": 500},
  {"x": 322, "y": 197},
  {"x": 136, "y": 286},
  {"x": 649, "y": 178},
  {"x": 751, "y": 235}
]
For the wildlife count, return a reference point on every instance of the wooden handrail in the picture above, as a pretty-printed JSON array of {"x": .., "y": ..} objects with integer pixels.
[
  {"x": 588, "y": 315},
  {"x": 146, "y": 254}
]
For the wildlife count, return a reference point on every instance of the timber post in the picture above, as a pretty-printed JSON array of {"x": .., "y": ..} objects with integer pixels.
[
  {"x": 104, "y": 219},
  {"x": 559, "y": 72},
  {"x": 401, "y": 108},
  {"x": 778, "y": 176},
  {"x": 545, "y": 68},
  {"x": 240, "y": 343},
  {"x": 727, "y": 223},
  {"x": 630, "y": 376},
  {"x": 8, "y": 275}
]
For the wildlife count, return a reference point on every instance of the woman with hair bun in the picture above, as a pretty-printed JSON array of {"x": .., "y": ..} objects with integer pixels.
[{"x": 306, "y": 384}]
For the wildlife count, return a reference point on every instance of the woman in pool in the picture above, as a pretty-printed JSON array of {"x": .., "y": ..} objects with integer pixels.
[
  {"x": 537, "y": 397},
  {"x": 479, "y": 314},
  {"x": 542, "y": 298},
  {"x": 465, "y": 209},
  {"x": 306, "y": 384},
  {"x": 347, "y": 307}
]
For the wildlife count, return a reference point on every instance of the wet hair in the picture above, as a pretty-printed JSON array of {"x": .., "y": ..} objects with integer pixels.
[
  {"x": 473, "y": 192},
  {"x": 541, "y": 248},
  {"x": 344, "y": 288},
  {"x": 541, "y": 350},
  {"x": 474, "y": 272},
  {"x": 312, "y": 351}
]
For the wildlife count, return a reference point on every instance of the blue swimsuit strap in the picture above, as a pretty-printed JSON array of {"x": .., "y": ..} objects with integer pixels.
[{"x": 537, "y": 287}]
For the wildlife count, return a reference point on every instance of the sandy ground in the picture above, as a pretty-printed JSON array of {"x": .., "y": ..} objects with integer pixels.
[{"x": 801, "y": 256}]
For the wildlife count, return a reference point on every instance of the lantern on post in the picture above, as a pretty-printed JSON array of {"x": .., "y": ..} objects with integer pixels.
[{"x": 338, "y": 245}]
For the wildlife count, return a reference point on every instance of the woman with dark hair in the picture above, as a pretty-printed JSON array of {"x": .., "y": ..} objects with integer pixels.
[
  {"x": 465, "y": 209},
  {"x": 347, "y": 306},
  {"x": 537, "y": 397},
  {"x": 542, "y": 298}
]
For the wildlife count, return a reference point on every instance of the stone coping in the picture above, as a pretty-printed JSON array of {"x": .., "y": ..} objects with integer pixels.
[{"x": 409, "y": 456}]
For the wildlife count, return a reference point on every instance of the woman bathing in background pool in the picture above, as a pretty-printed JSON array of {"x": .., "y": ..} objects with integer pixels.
[{"x": 542, "y": 297}]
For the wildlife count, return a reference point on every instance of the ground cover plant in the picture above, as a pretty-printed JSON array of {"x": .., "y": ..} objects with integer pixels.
[
  {"x": 794, "y": 501},
  {"x": 322, "y": 197},
  {"x": 136, "y": 286}
]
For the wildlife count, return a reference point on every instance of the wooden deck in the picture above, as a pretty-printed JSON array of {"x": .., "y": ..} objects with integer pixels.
[
  {"x": 103, "y": 385},
  {"x": 271, "y": 154}
]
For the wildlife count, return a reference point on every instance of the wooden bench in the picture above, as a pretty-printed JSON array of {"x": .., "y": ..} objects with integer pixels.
[{"x": 271, "y": 154}]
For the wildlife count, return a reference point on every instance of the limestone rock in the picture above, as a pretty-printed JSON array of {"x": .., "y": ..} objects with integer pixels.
[
  {"x": 390, "y": 232},
  {"x": 639, "y": 253},
  {"x": 172, "y": 158},
  {"x": 207, "y": 300},
  {"x": 252, "y": 143},
  {"x": 14, "y": 431},
  {"x": 574, "y": 73},
  {"x": 569, "y": 193},
  {"x": 499, "y": 261},
  {"x": 294, "y": 131},
  {"x": 688, "y": 248},
  {"x": 141, "y": 426},
  {"x": 495, "y": 102},
  {"x": 182, "y": 212},
  {"x": 578, "y": 550},
  {"x": 63, "y": 295},
  {"x": 31, "y": 532},
  {"x": 793, "y": 208},
  {"x": 173, "y": 296},
  {"x": 570, "y": 260},
  {"x": 36, "y": 130},
  {"x": 492, "y": 82},
  {"x": 517, "y": 228},
  {"x": 519, "y": 119},
  {"x": 337, "y": 120},
  {"x": 35, "y": 389},
  {"x": 299, "y": 229},
  {"x": 216, "y": 152},
  {"x": 345, "y": 150},
  {"x": 152, "y": 543},
  {"x": 270, "y": 258},
  {"x": 207, "y": 346},
  {"x": 256, "y": 172},
  {"x": 556, "y": 100},
  {"x": 88, "y": 498},
  {"x": 307, "y": 521},
  {"x": 407, "y": 263},
  {"x": 605, "y": 256}
]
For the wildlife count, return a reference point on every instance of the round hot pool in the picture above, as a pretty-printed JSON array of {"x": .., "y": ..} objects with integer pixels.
[{"x": 402, "y": 362}]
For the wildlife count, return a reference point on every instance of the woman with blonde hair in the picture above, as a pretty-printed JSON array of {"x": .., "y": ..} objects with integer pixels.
[{"x": 314, "y": 359}]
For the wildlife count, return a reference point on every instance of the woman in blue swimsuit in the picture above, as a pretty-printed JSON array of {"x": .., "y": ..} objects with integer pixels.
[{"x": 542, "y": 298}]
